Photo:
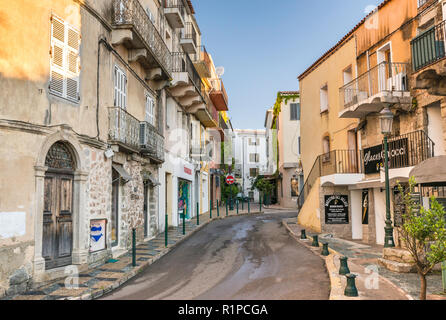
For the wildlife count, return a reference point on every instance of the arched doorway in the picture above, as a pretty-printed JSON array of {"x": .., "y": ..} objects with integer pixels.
[{"x": 57, "y": 231}]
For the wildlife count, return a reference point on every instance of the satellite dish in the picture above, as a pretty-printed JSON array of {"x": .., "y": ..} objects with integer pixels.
[{"x": 220, "y": 71}]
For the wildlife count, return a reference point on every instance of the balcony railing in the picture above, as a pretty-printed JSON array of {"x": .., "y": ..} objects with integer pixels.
[
  {"x": 151, "y": 142},
  {"x": 131, "y": 13},
  {"x": 385, "y": 77},
  {"x": 219, "y": 95},
  {"x": 188, "y": 32},
  {"x": 175, "y": 4},
  {"x": 123, "y": 128},
  {"x": 429, "y": 46},
  {"x": 333, "y": 162},
  {"x": 421, "y": 3},
  {"x": 182, "y": 63},
  {"x": 410, "y": 149}
]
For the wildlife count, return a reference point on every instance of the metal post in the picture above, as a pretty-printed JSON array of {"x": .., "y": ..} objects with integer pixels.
[
  {"x": 218, "y": 209},
  {"x": 249, "y": 209},
  {"x": 134, "y": 247},
  {"x": 237, "y": 205},
  {"x": 260, "y": 199},
  {"x": 243, "y": 202},
  {"x": 210, "y": 210},
  {"x": 388, "y": 241},
  {"x": 226, "y": 207},
  {"x": 184, "y": 223},
  {"x": 166, "y": 230},
  {"x": 198, "y": 213}
]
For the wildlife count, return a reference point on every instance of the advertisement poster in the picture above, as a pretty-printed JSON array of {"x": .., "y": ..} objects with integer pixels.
[
  {"x": 336, "y": 209},
  {"x": 365, "y": 206},
  {"x": 97, "y": 235}
]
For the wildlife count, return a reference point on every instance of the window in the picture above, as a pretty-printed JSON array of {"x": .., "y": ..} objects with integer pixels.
[
  {"x": 324, "y": 98},
  {"x": 254, "y": 142},
  {"x": 150, "y": 110},
  {"x": 253, "y": 157},
  {"x": 120, "y": 88},
  {"x": 295, "y": 111},
  {"x": 326, "y": 148},
  {"x": 253, "y": 172},
  {"x": 65, "y": 62}
]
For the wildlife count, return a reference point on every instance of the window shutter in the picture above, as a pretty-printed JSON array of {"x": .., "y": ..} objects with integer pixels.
[{"x": 120, "y": 88}]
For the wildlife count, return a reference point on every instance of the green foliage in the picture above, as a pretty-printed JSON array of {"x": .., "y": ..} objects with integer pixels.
[
  {"x": 423, "y": 232},
  {"x": 228, "y": 191},
  {"x": 262, "y": 185},
  {"x": 277, "y": 108}
]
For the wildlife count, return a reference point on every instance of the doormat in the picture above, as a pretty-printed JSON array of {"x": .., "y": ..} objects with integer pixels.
[{"x": 112, "y": 261}]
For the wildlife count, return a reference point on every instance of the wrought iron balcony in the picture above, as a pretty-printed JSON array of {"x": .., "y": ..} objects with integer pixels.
[
  {"x": 182, "y": 63},
  {"x": 189, "y": 39},
  {"x": 218, "y": 95},
  {"x": 429, "y": 47},
  {"x": 123, "y": 129},
  {"x": 174, "y": 11},
  {"x": 385, "y": 83},
  {"x": 151, "y": 142},
  {"x": 129, "y": 14}
]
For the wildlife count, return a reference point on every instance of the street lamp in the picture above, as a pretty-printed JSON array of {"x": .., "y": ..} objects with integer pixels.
[{"x": 386, "y": 118}]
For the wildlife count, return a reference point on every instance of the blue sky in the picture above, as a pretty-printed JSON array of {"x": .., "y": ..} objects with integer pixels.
[{"x": 265, "y": 44}]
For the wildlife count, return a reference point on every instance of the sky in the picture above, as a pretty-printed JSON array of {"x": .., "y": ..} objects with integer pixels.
[{"x": 264, "y": 45}]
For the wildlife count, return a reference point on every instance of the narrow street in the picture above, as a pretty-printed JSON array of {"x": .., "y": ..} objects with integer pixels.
[{"x": 249, "y": 257}]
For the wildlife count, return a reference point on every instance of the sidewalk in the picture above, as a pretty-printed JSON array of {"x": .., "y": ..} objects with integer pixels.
[
  {"x": 363, "y": 261},
  {"x": 100, "y": 280}
]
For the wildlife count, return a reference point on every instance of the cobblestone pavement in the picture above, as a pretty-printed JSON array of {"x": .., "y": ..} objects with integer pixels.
[
  {"x": 367, "y": 255},
  {"x": 100, "y": 280}
]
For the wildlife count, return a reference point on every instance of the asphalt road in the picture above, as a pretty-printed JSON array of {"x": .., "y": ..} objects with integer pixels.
[{"x": 238, "y": 258}]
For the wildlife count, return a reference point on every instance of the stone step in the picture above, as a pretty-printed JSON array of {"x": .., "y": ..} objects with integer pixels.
[
  {"x": 398, "y": 255},
  {"x": 399, "y": 267}
]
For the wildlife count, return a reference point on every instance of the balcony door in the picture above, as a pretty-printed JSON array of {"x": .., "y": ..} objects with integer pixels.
[
  {"x": 120, "y": 101},
  {"x": 384, "y": 56},
  {"x": 435, "y": 128}
]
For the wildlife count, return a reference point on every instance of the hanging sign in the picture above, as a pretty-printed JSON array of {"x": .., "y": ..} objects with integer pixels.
[
  {"x": 374, "y": 156},
  {"x": 336, "y": 209}
]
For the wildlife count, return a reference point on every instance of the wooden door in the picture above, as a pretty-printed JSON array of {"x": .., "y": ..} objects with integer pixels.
[{"x": 57, "y": 242}]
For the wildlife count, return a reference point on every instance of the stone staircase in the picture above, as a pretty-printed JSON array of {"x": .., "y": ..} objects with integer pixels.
[{"x": 397, "y": 260}]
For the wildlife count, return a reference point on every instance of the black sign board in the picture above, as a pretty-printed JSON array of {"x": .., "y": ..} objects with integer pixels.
[
  {"x": 398, "y": 156},
  {"x": 336, "y": 209}
]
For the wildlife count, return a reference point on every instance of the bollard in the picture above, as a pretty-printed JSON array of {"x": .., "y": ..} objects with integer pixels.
[
  {"x": 184, "y": 223},
  {"x": 198, "y": 213},
  {"x": 243, "y": 202},
  {"x": 226, "y": 207},
  {"x": 166, "y": 230},
  {"x": 260, "y": 200},
  {"x": 249, "y": 209},
  {"x": 303, "y": 235},
  {"x": 315, "y": 241},
  {"x": 343, "y": 269},
  {"x": 218, "y": 209},
  {"x": 443, "y": 274},
  {"x": 350, "y": 289},
  {"x": 237, "y": 205},
  {"x": 210, "y": 210},
  {"x": 325, "y": 251},
  {"x": 134, "y": 247}
]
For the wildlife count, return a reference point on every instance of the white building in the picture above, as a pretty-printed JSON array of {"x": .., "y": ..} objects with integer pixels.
[{"x": 250, "y": 158}]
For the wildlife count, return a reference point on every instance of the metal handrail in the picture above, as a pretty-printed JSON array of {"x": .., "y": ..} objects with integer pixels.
[
  {"x": 385, "y": 77},
  {"x": 131, "y": 13},
  {"x": 123, "y": 127},
  {"x": 188, "y": 32},
  {"x": 154, "y": 142},
  {"x": 429, "y": 46},
  {"x": 182, "y": 63}
]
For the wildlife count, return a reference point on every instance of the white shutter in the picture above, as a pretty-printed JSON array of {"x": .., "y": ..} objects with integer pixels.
[
  {"x": 64, "y": 75},
  {"x": 120, "y": 88},
  {"x": 150, "y": 108}
]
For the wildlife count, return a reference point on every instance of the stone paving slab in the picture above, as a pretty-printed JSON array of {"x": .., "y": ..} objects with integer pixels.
[
  {"x": 366, "y": 257},
  {"x": 98, "y": 281}
]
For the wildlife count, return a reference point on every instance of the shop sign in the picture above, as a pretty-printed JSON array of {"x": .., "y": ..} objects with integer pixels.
[
  {"x": 374, "y": 156},
  {"x": 187, "y": 170},
  {"x": 336, "y": 209}
]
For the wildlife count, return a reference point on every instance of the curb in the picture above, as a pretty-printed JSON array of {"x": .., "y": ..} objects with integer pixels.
[
  {"x": 97, "y": 293},
  {"x": 336, "y": 287}
]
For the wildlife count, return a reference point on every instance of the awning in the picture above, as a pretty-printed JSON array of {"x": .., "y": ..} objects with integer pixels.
[
  {"x": 432, "y": 170},
  {"x": 146, "y": 176},
  {"x": 124, "y": 174}
]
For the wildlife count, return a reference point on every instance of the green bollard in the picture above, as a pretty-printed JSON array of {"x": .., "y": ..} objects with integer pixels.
[
  {"x": 350, "y": 289},
  {"x": 198, "y": 213},
  {"x": 184, "y": 223},
  {"x": 243, "y": 202},
  {"x": 166, "y": 230},
  {"x": 134, "y": 247},
  {"x": 260, "y": 199},
  {"x": 343, "y": 269},
  {"x": 315, "y": 241},
  {"x": 443, "y": 274},
  {"x": 226, "y": 207},
  {"x": 210, "y": 210},
  {"x": 249, "y": 209},
  {"x": 237, "y": 205},
  {"x": 325, "y": 251},
  {"x": 218, "y": 209},
  {"x": 303, "y": 235}
]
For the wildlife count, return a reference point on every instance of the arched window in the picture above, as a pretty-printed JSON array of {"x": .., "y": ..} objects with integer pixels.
[{"x": 59, "y": 157}]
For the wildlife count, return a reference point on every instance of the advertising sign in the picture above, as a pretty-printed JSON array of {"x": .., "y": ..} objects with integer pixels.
[
  {"x": 336, "y": 209},
  {"x": 374, "y": 156}
]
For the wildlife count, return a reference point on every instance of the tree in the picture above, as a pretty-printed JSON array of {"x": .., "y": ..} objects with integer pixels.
[
  {"x": 263, "y": 186},
  {"x": 423, "y": 232}
]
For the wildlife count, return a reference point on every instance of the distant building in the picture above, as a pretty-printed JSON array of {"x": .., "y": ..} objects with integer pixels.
[{"x": 250, "y": 158}]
